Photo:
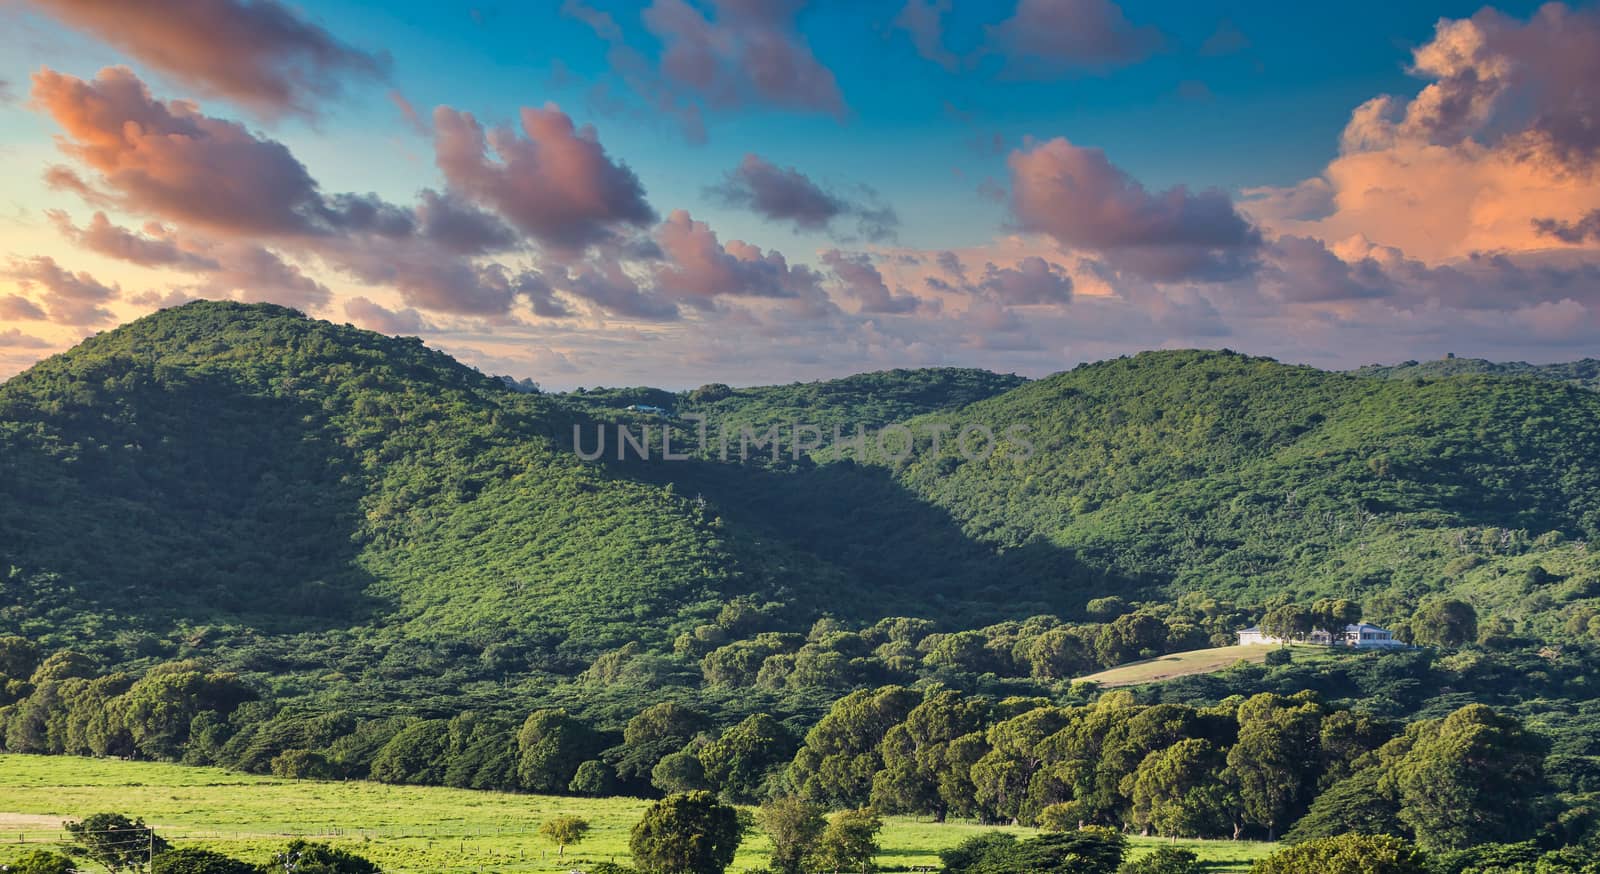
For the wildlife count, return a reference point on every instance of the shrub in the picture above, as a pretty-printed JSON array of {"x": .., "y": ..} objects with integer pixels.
[
  {"x": 191, "y": 860},
  {"x": 1346, "y": 854}
]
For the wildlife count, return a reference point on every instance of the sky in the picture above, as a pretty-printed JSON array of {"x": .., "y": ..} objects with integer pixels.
[{"x": 676, "y": 192}]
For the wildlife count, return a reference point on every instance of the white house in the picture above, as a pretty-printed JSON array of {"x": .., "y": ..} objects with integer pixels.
[{"x": 1363, "y": 635}]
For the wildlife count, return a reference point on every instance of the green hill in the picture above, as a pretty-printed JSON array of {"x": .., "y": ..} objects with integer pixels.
[
  {"x": 1584, "y": 373},
  {"x": 361, "y": 522},
  {"x": 1217, "y": 472}
]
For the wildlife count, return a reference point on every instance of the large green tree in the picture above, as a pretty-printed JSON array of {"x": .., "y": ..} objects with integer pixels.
[
  {"x": 551, "y": 746},
  {"x": 793, "y": 825},
  {"x": 1446, "y": 622},
  {"x": 1180, "y": 791},
  {"x": 1276, "y": 759},
  {"x": 740, "y": 761},
  {"x": 1472, "y": 777},
  {"x": 687, "y": 833},
  {"x": 849, "y": 842}
]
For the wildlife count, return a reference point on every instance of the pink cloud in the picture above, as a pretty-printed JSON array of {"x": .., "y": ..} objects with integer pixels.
[
  {"x": 257, "y": 52},
  {"x": 376, "y": 317},
  {"x": 170, "y": 160},
  {"x": 784, "y": 194},
  {"x": 103, "y": 237},
  {"x": 698, "y": 268},
  {"x": 556, "y": 183},
  {"x": 861, "y": 280},
  {"x": 1083, "y": 201},
  {"x": 1047, "y": 38},
  {"x": 1497, "y": 152},
  {"x": 70, "y": 298},
  {"x": 749, "y": 52},
  {"x": 1032, "y": 281},
  {"x": 16, "y": 308},
  {"x": 923, "y": 22},
  {"x": 15, "y": 339},
  {"x": 746, "y": 53}
]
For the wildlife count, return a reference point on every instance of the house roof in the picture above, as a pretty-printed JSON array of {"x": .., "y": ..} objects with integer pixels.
[{"x": 1357, "y": 628}]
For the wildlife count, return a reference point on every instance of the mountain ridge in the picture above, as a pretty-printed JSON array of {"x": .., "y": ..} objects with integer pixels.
[{"x": 347, "y": 515}]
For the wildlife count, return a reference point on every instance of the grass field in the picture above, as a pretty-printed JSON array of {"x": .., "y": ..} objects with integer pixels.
[
  {"x": 404, "y": 828},
  {"x": 1198, "y": 661}
]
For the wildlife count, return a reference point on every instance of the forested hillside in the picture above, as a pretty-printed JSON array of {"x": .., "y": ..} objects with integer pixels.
[
  {"x": 1243, "y": 477},
  {"x": 1584, "y": 373},
  {"x": 233, "y": 534}
]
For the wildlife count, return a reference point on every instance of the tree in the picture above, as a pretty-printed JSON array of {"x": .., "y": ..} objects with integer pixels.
[
  {"x": 192, "y": 860},
  {"x": 19, "y": 657},
  {"x": 1346, "y": 854},
  {"x": 1060, "y": 654},
  {"x": 550, "y": 747},
  {"x": 1130, "y": 636},
  {"x": 793, "y": 825},
  {"x": 116, "y": 841},
  {"x": 1470, "y": 778},
  {"x": 1275, "y": 759},
  {"x": 1333, "y": 614},
  {"x": 415, "y": 755},
  {"x": 1107, "y": 608},
  {"x": 1164, "y": 860},
  {"x": 849, "y": 842},
  {"x": 302, "y": 765},
  {"x": 1002, "y": 777},
  {"x": 42, "y": 862},
  {"x": 1355, "y": 804},
  {"x": 563, "y": 831},
  {"x": 840, "y": 755},
  {"x": 966, "y": 651},
  {"x": 1290, "y": 622},
  {"x": 1446, "y": 622},
  {"x": 593, "y": 778},
  {"x": 1092, "y": 850},
  {"x": 686, "y": 833},
  {"x": 158, "y": 709},
  {"x": 916, "y": 754},
  {"x": 305, "y": 857},
  {"x": 738, "y": 762},
  {"x": 1173, "y": 790},
  {"x": 654, "y": 733},
  {"x": 679, "y": 772}
]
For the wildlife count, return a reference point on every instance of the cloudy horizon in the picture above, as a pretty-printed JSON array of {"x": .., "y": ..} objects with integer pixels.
[{"x": 759, "y": 191}]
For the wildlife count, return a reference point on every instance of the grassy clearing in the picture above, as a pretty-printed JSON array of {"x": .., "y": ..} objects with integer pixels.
[
  {"x": 405, "y": 828},
  {"x": 1199, "y": 661}
]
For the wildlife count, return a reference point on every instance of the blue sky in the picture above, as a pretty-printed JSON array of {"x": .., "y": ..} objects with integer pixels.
[{"x": 968, "y": 149}]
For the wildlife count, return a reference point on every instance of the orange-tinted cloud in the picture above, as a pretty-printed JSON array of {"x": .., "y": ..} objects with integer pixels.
[
  {"x": 170, "y": 160},
  {"x": 257, "y": 52},
  {"x": 1498, "y": 152}
]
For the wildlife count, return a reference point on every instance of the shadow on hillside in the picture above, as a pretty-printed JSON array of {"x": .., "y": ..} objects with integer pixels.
[
  {"x": 194, "y": 498},
  {"x": 874, "y": 547}
]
